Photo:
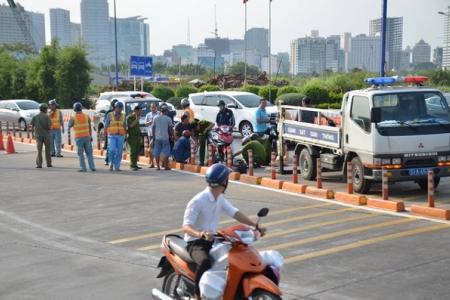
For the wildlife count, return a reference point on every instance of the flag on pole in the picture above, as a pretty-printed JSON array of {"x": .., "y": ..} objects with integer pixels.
[{"x": 245, "y": 1}]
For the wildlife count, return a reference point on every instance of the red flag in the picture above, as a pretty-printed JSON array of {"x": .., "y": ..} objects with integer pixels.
[{"x": 245, "y": 1}]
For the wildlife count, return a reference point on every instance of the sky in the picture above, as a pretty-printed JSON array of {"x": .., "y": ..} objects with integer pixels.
[{"x": 290, "y": 19}]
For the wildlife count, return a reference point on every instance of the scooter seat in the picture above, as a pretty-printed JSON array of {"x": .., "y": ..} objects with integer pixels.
[{"x": 178, "y": 246}]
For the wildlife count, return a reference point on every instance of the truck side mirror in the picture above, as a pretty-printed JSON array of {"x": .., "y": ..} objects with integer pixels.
[{"x": 375, "y": 115}]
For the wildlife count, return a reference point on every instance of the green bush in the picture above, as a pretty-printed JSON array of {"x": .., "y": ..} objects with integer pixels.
[
  {"x": 185, "y": 90},
  {"x": 209, "y": 88},
  {"x": 163, "y": 92},
  {"x": 264, "y": 92},
  {"x": 286, "y": 90},
  {"x": 318, "y": 94},
  {"x": 175, "y": 101},
  {"x": 334, "y": 105},
  {"x": 335, "y": 97},
  {"x": 251, "y": 89},
  {"x": 294, "y": 99}
]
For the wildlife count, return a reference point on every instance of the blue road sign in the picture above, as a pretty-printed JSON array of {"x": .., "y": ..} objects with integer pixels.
[{"x": 141, "y": 66}]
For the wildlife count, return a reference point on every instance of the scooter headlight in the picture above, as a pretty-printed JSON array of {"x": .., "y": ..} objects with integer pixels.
[{"x": 247, "y": 236}]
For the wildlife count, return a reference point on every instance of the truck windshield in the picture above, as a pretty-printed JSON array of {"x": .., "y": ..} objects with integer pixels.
[{"x": 412, "y": 109}]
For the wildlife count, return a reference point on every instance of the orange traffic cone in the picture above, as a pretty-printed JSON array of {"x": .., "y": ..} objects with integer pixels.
[
  {"x": 9, "y": 145},
  {"x": 2, "y": 147}
]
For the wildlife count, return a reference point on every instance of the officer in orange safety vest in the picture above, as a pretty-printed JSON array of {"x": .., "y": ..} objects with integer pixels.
[
  {"x": 116, "y": 126},
  {"x": 57, "y": 128},
  {"x": 187, "y": 110},
  {"x": 81, "y": 124}
]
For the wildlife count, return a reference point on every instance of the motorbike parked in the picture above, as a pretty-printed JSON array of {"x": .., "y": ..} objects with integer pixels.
[
  {"x": 220, "y": 139},
  {"x": 248, "y": 276}
]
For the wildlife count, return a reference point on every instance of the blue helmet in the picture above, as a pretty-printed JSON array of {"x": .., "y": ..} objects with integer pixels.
[
  {"x": 77, "y": 106},
  {"x": 52, "y": 102},
  {"x": 119, "y": 104},
  {"x": 217, "y": 174}
]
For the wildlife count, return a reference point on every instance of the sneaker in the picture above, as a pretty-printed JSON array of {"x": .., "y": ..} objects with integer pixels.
[
  {"x": 201, "y": 164},
  {"x": 59, "y": 155},
  {"x": 52, "y": 155},
  {"x": 135, "y": 169}
]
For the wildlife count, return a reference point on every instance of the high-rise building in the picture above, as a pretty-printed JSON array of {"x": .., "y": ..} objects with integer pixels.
[
  {"x": 437, "y": 57},
  {"x": 314, "y": 55},
  {"x": 345, "y": 47},
  {"x": 132, "y": 38},
  {"x": 11, "y": 32},
  {"x": 258, "y": 39},
  {"x": 406, "y": 59},
  {"x": 60, "y": 26},
  {"x": 266, "y": 62},
  {"x": 446, "y": 48},
  {"x": 236, "y": 45},
  {"x": 219, "y": 45},
  {"x": 421, "y": 52},
  {"x": 185, "y": 52},
  {"x": 394, "y": 40},
  {"x": 365, "y": 53},
  {"x": 95, "y": 30},
  {"x": 75, "y": 32}
]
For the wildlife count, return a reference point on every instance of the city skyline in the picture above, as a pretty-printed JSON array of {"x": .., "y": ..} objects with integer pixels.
[{"x": 290, "y": 19}]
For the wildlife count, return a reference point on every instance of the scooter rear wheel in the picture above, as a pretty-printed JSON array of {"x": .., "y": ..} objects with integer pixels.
[
  {"x": 259, "y": 294},
  {"x": 170, "y": 288}
]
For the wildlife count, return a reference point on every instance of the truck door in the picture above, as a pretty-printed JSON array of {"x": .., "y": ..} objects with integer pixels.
[{"x": 357, "y": 127}]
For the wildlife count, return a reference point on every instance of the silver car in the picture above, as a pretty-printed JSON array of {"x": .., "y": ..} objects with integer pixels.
[{"x": 19, "y": 112}]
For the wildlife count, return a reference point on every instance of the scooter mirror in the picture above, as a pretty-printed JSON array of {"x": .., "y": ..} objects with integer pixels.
[{"x": 263, "y": 212}]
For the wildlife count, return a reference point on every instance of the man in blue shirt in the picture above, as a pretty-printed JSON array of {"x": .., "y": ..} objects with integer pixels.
[
  {"x": 182, "y": 149},
  {"x": 261, "y": 119}
]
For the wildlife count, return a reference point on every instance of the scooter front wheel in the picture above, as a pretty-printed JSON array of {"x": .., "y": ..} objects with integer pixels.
[
  {"x": 171, "y": 288},
  {"x": 259, "y": 294}
]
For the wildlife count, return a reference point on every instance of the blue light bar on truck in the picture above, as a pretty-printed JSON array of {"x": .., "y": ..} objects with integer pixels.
[
  {"x": 399, "y": 79},
  {"x": 379, "y": 80}
]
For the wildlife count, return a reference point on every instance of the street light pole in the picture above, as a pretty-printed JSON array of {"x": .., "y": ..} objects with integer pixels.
[
  {"x": 214, "y": 72},
  {"x": 446, "y": 50},
  {"x": 115, "y": 34}
]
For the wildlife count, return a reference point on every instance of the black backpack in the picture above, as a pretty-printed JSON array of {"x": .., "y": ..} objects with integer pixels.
[{"x": 239, "y": 166}]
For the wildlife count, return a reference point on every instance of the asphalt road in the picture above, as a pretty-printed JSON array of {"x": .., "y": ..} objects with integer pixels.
[{"x": 96, "y": 235}]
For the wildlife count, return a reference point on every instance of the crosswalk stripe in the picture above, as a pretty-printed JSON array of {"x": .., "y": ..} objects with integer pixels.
[
  {"x": 338, "y": 233},
  {"x": 363, "y": 243},
  {"x": 321, "y": 214},
  {"x": 170, "y": 231}
]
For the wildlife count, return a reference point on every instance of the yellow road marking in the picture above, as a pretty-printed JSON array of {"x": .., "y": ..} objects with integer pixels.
[
  {"x": 323, "y": 224},
  {"x": 161, "y": 233},
  {"x": 363, "y": 243},
  {"x": 147, "y": 248},
  {"x": 336, "y": 234}
]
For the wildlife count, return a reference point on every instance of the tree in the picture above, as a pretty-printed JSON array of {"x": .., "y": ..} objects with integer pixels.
[
  {"x": 72, "y": 76},
  {"x": 7, "y": 65},
  {"x": 44, "y": 70},
  {"x": 240, "y": 68}
]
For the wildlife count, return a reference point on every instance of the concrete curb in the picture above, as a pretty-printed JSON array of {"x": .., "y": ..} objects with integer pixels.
[
  {"x": 397, "y": 206},
  {"x": 430, "y": 212},
  {"x": 350, "y": 198}
]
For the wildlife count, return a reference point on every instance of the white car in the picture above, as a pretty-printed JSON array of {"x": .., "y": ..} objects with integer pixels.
[
  {"x": 243, "y": 105},
  {"x": 20, "y": 112}
]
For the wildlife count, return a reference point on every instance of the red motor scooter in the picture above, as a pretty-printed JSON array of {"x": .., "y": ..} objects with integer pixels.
[
  {"x": 220, "y": 139},
  {"x": 248, "y": 276}
]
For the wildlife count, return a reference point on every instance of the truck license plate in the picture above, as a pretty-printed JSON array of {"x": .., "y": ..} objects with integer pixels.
[{"x": 422, "y": 171}]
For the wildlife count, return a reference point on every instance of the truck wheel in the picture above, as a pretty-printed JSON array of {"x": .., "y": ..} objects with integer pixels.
[
  {"x": 307, "y": 165},
  {"x": 246, "y": 128},
  {"x": 360, "y": 184},
  {"x": 423, "y": 183}
]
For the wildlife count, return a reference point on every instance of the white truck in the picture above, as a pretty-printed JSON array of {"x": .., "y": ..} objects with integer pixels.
[{"x": 403, "y": 128}]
